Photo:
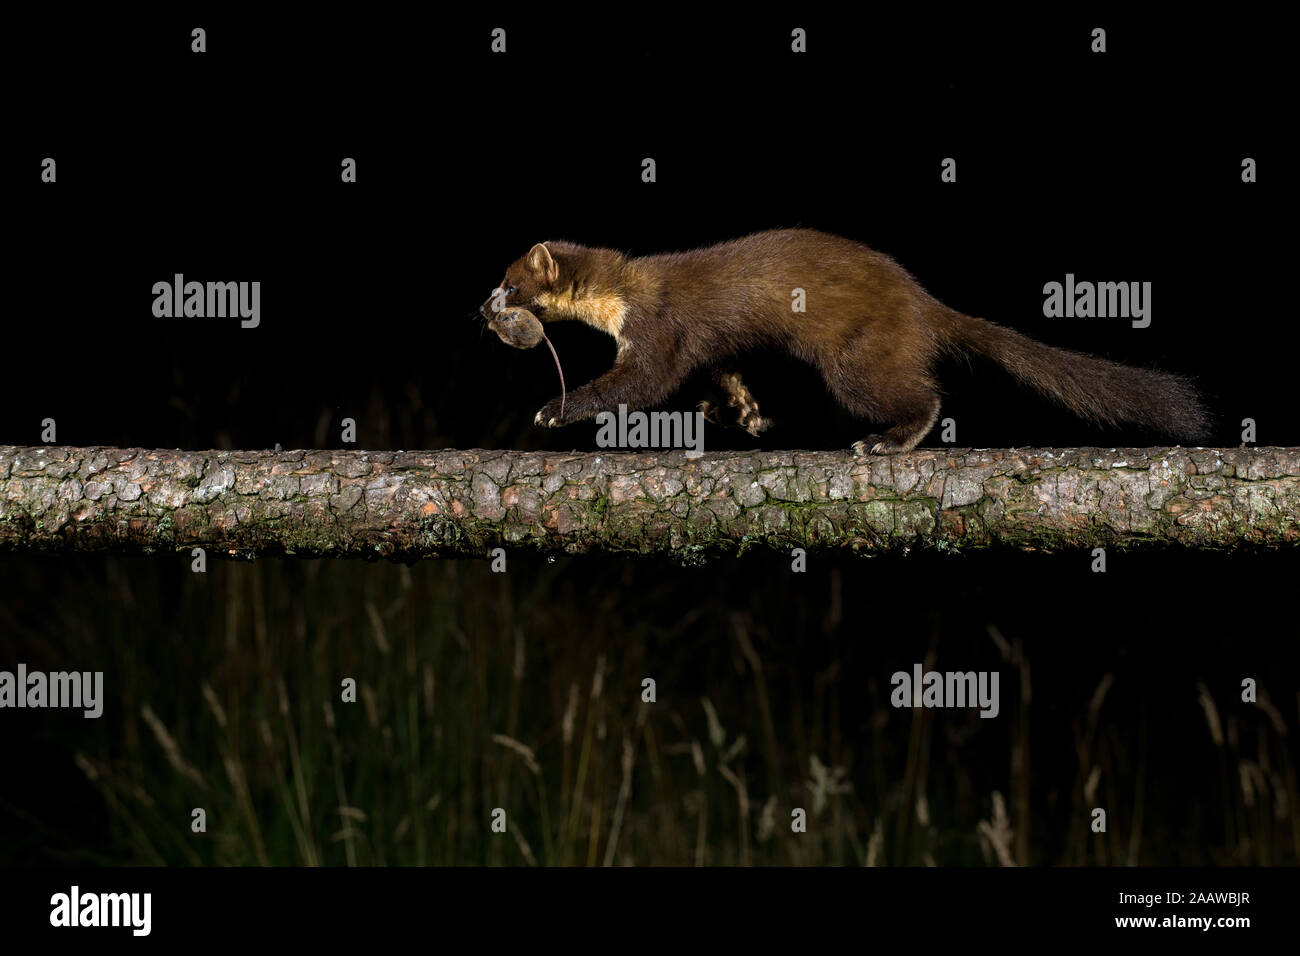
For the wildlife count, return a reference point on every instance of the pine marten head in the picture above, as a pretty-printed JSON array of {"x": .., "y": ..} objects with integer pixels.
[
  {"x": 512, "y": 311},
  {"x": 527, "y": 279},
  {"x": 556, "y": 281}
]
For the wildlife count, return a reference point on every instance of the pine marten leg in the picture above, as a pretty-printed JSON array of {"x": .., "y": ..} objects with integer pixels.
[
  {"x": 904, "y": 436},
  {"x": 886, "y": 386},
  {"x": 636, "y": 384},
  {"x": 740, "y": 398}
]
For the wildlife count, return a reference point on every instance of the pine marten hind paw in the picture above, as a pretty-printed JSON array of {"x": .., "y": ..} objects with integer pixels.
[
  {"x": 711, "y": 413},
  {"x": 873, "y": 445},
  {"x": 755, "y": 423},
  {"x": 746, "y": 418}
]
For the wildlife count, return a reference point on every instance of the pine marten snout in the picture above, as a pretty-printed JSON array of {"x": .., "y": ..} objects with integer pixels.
[{"x": 870, "y": 328}]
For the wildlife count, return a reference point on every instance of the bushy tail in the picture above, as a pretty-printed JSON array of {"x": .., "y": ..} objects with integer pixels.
[{"x": 1097, "y": 390}]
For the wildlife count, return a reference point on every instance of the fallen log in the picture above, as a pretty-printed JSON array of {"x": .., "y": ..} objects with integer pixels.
[{"x": 451, "y": 503}]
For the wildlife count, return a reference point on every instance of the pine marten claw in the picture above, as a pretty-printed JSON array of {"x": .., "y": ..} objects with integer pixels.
[
  {"x": 548, "y": 416},
  {"x": 755, "y": 424},
  {"x": 710, "y": 413},
  {"x": 871, "y": 445}
]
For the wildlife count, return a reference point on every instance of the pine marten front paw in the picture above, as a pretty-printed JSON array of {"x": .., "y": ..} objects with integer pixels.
[{"x": 548, "y": 416}]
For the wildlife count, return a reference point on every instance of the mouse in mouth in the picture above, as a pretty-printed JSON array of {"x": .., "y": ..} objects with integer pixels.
[
  {"x": 518, "y": 328},
  {"x": 521, "y": 329}
]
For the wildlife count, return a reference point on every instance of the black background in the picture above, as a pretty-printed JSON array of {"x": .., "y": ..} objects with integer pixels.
[{"x": 1124, "y": 166}]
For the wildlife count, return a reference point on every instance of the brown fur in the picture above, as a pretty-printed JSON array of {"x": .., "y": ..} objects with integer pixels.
[{"x": 871, "y": 329}]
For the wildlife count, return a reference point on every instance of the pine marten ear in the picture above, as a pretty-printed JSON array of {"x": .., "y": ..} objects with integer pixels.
[{"x": 541, "y": 263}]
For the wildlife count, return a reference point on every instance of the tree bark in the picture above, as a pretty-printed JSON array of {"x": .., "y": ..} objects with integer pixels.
[{"x": 409, "y": 505}]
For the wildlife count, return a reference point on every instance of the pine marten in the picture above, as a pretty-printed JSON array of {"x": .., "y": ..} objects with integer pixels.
[{"x": 868, "y": 325}]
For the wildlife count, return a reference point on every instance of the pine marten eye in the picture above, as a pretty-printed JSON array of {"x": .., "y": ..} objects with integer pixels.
[{"x": 510, "y": 290}]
